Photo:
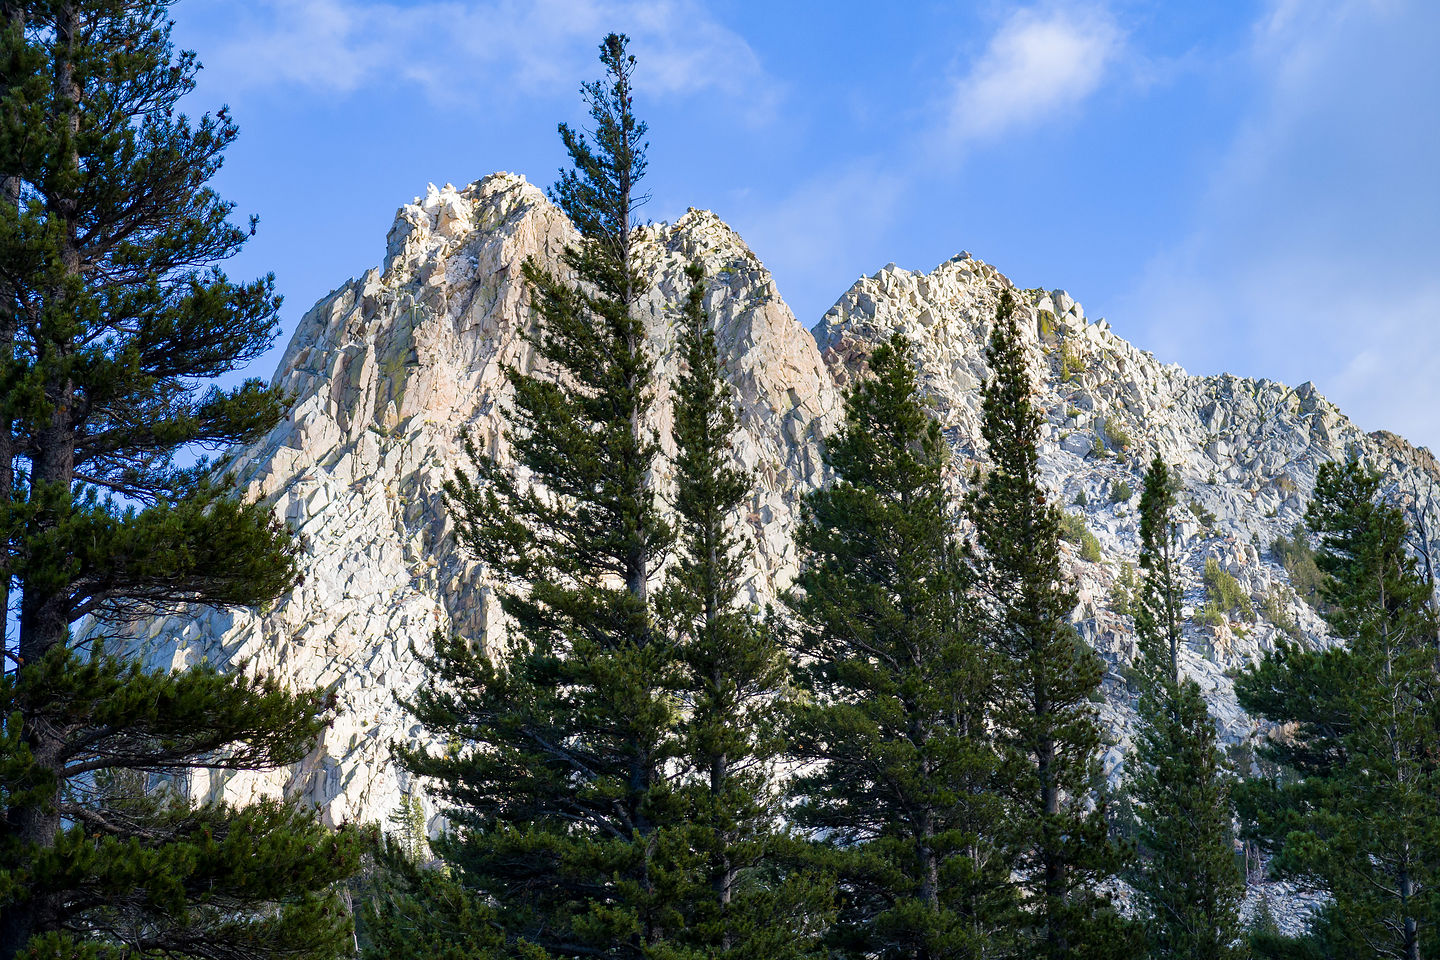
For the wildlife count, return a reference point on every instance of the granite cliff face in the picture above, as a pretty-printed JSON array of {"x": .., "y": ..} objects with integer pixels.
[
  {"x": 388, "y": 370},
  {"x": 1245, "y": 451}
]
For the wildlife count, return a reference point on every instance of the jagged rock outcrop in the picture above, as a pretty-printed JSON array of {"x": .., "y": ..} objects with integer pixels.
[
  {"x": 389, "y": 369},
  {"x": 1245, "y": 451},
  {"x": 387, "y": 372}
]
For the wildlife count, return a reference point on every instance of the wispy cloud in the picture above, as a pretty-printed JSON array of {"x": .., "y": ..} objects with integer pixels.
[
  {"x": 455, "y": 51},
  {"x": 828, "y": 222},
  {"x": 1392, "y": 379},
  {"x": 1041, "y": 62},
  {"x": 1310, "y": 252},
  {"x": 834, "y": 223}
]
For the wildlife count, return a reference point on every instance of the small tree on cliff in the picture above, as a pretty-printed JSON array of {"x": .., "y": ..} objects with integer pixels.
[
  {"x": 1047, "y": 678},
  {"x": 895, "y": 727},
  {"x": 559, "y": 785},
  {"x": 1189, "y": 883},
  {"x": 111, "y": 314}
]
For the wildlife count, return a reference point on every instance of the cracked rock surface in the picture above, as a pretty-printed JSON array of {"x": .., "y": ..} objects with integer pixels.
[{"x": 391, "y": 369}]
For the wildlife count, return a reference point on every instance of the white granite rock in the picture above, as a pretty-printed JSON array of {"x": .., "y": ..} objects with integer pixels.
[
  {"x": 387, "y": 371},
  {"x": 390, "y": 368}
]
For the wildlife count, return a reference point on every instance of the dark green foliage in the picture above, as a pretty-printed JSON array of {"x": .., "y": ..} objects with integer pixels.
[
  {"x": 1071, "y": 363},
  {"x": 112, "y": 317},
  {"x": 1046, "y": 679},
  {"x": 1118, "y": 438},
  {"x": 560, "y": 787},
  {"x": 1073, "y": 530},
  {"x": 1224, "y": 592},
  {"x": 1188, "y": 881},
  {"x": 1355, "y": 807},
  {"x": 1273, "y": 945},
  {"x": 900, "y": 791},
  {"x": 1206, "y": 518},
  {"x": 1121, "y": 492},
  {"x": 1298, "y": 558},
  {"x": 407, "y": 829},
  {"x": 1209, "y": 614},
  {"x": 734, "y": 677},
  {"x": 1277, "y": 610},
  {"x": 412, "y": 912},
  {"x": 1267, "y": 942},
  {"x": 1123, "y": 596}
]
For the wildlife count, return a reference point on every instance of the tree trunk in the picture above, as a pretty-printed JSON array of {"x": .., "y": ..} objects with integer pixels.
[
  {"x": 44, "y": 613},
  {"x": 929, "y": 872},
  {"x": 13, "y": 15},
  {"x": 1057, "y": 945}
]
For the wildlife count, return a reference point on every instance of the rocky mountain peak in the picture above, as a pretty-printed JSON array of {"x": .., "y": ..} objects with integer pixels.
[
  {"x": 389, "y": 369},
  {"x": 387, "y": 372}
]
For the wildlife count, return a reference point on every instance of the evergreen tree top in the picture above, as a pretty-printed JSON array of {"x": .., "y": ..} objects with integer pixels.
[
  {"x": 110, "y": 247},
  {"x": 883, "y": 412},
  {"x": 1157, "y": 615},
  {"x": 598, "y": 191}
]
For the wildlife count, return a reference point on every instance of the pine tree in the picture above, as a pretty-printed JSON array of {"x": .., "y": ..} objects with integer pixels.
[
  {"x": 560, "y": 787},
  {"x": 739, "y": 901},
  {"x": 111, "y": 313},
  {"x": 1266, "y": 940},
  {"x": 411, "y": 911},
  {"x": 895, "y": 732},
  {"x": 1189, "y": 885},
  {"x": 1357, "y": 810},
  {"x": 1047, "y": 678}
]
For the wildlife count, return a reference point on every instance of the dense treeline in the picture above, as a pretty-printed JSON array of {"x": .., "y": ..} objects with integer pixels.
[
  {"x": 1354, "y": 804},
  {"x": 901, "y": 762}
]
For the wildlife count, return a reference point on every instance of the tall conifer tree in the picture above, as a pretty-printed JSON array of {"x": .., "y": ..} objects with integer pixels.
[
  {"x": 111, "y": 313},
  {"x": 896, "y": 730},
  {"x": 560, "y": 786},
  {"x": 1047, "y": 678},
  {"x": 1189, "y": 883},
  {"x": 1357, "y": 809},
  {"x": 734, "y": 680}
]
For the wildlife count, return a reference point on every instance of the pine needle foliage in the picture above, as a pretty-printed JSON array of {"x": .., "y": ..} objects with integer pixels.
[
  {"x": 113, "y": 317},
  {"x": 1189, "y": 883},
  {"x": 412, "y": 911},
  {"x": 561, "y": 785},
  {"x": 894, "y": 730},
  {"x": 740, "y": 900},
  {"x": 1046, "y": 678},
  {"x": 1355, "y": 808}
]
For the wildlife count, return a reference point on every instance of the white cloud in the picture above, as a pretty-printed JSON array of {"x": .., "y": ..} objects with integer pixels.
[
  {"x": 1310, "y": 253},
  {"x": 836, "y": 223},
  {"x": 323, "y": 44},
  {"x": 478, "y": 50},
  {"x": 1392, "y": 381},
  {"x": 1041, "y": 62}
]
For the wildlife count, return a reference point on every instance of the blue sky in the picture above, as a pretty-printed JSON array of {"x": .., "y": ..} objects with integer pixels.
[{"x": 1249, "y": 186}]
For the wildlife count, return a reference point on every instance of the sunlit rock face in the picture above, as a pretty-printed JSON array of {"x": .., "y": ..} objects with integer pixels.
[
  {"x": 387, "y": 373},
  {"x": 390, "y": 370},
  {"x": 1246, "y": 452}
]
